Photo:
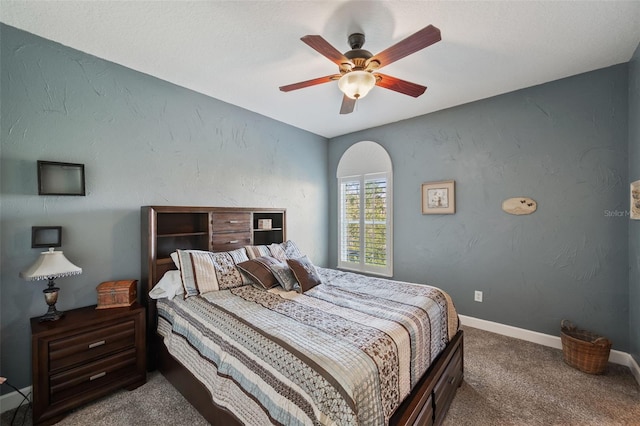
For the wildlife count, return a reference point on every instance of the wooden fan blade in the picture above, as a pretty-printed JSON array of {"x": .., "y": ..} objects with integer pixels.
[
  {"x": 323, "y": 47},
  {"x": 315, "y": 81},
  {"x": 400, "y": 86},
  {"x": 423, "y": 38},
  {"x": 347, "y": 105}
]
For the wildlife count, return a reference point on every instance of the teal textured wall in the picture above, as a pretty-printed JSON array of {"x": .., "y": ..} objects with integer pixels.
[
  {"x": 564, "y": 144},
  {"x": 143, "y": 141}
]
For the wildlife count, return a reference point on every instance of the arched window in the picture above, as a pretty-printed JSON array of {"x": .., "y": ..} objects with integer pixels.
[{"x": 365, "y": 235}]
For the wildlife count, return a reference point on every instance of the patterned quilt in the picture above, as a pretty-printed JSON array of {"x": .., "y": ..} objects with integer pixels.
[{"x": 346, "y": 352}]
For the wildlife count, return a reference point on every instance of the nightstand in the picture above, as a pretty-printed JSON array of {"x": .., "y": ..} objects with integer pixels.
[{"x": 85, "y": 355}]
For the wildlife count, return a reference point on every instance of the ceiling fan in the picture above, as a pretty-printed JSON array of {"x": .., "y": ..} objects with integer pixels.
[{"x": 358, "y": 67}]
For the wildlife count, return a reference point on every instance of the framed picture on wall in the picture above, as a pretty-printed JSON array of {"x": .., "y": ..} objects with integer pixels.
[
  {"x": 439, "y": 197},
  {"x": 46, "y": 236},
  {"x": 55, "y": 178},
  {"x": 635, "y": 200}
]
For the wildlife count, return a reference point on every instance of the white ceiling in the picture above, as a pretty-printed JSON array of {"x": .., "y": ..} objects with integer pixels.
[{"x": 241, "y": 51}]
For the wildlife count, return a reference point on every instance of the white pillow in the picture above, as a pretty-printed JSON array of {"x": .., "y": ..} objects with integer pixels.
[
  {"x": 169, "y": 286},
  {"x": 176, "y": 261}
]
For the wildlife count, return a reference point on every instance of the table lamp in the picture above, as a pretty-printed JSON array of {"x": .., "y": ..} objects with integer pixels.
[{"x": 50, "y": 265}]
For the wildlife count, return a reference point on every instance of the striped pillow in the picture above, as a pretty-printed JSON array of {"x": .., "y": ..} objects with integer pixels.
[
  {"x": 257, "y": 251},
  {"x": 282, "y": 251},
  {"x": 205, "y": 271}
]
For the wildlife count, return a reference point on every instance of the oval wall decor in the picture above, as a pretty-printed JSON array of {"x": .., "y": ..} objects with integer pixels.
[{"x": 519, "y": 205}]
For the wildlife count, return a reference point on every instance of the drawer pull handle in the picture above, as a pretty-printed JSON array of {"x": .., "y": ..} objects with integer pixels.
[
  {"x": 234, "y": 221},
  {"x": 96, "y": 344},
  {"x": 233, "y": 242},
  {"x": 97, "y": 376},
  {"x": 451, "y": 380}
]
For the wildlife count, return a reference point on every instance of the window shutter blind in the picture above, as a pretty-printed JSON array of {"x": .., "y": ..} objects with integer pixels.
[
  {"x": 375, "y": 223},
  {"x": 365, "y": 243},
  {"x": 350, "y": 222}
]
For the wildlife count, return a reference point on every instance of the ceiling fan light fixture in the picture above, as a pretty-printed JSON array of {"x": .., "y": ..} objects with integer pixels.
[{"x": 356, "y": 84}]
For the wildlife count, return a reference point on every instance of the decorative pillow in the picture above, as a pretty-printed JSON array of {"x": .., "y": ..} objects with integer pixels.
[
  {"x": 259, "y": 270},
  {"x": 278, "y": 252},
  {"x": 285, "y": 277},
  {"x": 257, "y": 251},
  {"x": 305, "y": 272},
  {"x": 205, "y": 271},
  {"x": 197, "y": 272},
  {"x": 291, "y": 250},
  {"x": 228, "y": 275},
  {"x": 282, "y": 251}
]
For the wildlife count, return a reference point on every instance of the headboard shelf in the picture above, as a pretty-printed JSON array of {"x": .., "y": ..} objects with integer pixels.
[
  {"x": 182, "y": 223},
  {"x": 183, "y": 234}
]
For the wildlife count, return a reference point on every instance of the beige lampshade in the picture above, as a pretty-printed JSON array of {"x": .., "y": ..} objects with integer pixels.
[
  {"x": 356, "y": 84},
  {"x": 50, "y": 264}
]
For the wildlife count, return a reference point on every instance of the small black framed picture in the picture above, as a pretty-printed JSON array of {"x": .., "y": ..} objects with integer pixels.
[
  {"x": 55, "y": 178},
  {"x": 46, "y": 236}
]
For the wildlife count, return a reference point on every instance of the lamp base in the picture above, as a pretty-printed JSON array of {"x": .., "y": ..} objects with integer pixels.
[
  {"x": 52, "y": 314},
  {"x": 51, "y": 297}
]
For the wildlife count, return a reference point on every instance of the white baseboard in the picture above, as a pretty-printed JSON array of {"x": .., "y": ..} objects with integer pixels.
[
  {"x": 635, "y": 369},
  {"x": 12, "y": 400},
  {"x": 616, "y": 357}
]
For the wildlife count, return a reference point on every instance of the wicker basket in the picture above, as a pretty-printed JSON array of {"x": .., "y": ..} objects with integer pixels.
[{"x": 584, "y": 350}]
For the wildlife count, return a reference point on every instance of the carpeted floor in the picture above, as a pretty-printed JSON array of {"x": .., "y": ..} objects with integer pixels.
[{"x": 507, "y": 382}]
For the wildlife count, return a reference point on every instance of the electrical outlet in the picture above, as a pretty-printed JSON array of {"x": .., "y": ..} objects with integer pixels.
[{"x": 477, "y": 296}]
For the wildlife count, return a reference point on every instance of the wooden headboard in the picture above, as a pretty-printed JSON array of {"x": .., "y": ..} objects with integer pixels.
[{"x": 165, "y": 229}]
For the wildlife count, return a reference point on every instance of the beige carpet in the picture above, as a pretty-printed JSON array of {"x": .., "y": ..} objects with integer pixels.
[
  {"x": 507, "y": 382},
  {"x": 512, "y": 382}
]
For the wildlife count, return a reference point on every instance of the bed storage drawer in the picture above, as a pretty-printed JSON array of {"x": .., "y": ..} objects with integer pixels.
[
  {"x": 445, "y": 388},
  {"x": 425, "y": 417}
]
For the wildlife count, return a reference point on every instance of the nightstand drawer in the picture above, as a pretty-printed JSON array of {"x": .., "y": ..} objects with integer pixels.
[
  {"x": 84, "y": 347},
  {"x": 92, "y": 376}
]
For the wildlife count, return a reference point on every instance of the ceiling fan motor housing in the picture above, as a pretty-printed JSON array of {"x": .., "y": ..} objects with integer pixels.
[
  {"x": 356, "y": 40},
  {"x": 357, "y": 55}
]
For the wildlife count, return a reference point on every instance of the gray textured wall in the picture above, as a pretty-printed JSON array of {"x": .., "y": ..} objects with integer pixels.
[
  {"x": 143, "y": 141},
  {"x": 564, "y": 144},
  {"x": 634, "y": 225}
]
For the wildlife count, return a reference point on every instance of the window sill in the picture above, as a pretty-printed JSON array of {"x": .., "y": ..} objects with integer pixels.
[{"x": 358, "y": 271}]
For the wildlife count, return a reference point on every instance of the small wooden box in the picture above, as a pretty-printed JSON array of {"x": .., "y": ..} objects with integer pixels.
[
  {"x": 117, "y": 294},
  {"x": 264, "y": 223}
]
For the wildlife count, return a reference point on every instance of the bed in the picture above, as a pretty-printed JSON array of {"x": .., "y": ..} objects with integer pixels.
[{"x": 342, "y": 348}]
